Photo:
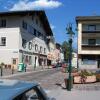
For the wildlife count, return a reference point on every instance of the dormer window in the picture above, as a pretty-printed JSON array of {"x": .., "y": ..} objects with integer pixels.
[
  {"x": 24, "y": 25},
  {"x": 23, "y": 43}
]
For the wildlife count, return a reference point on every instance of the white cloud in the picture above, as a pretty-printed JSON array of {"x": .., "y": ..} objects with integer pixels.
[
  {"x": 37, "y": 4},
  {"x": 52, "y": 26}
]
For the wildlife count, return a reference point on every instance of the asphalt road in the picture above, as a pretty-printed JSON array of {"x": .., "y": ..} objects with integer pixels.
[{"x": 49, "y": 79}]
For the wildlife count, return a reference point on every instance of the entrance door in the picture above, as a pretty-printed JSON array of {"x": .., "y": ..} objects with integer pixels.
[
  {"x": 98, "y": 63},
  {"x": 14, "y": 62}
]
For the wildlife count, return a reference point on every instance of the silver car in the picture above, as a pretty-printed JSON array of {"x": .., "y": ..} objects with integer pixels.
[{"x": 21, "y": 90}]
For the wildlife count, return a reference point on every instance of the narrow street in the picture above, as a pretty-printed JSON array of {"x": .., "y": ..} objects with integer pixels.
[{"x": 48, "y": 78}]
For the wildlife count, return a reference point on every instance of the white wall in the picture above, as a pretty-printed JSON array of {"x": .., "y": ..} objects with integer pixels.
[{"x": 31, "y": 38}]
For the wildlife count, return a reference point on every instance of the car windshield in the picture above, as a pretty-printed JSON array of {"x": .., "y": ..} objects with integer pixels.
[{"x": 36, "y": 93}]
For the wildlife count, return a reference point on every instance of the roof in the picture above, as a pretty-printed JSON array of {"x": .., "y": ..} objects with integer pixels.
[
  {"x": 40, "y": 13},
  {"x": 12, "y": 88},
  {"x": 87, "y": 18}
]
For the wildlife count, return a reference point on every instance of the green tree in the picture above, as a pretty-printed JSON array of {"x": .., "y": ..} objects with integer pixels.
[{"x": 65, "y": 49}]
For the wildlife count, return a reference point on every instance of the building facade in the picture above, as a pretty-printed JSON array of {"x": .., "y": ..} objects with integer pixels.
[
  {"x": 88, "y": 41},
  {"x": 23, "y": 37},
  {"x": 74, "y": 59}
]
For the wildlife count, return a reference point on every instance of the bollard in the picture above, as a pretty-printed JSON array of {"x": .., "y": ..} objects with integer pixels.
[
  {"x": 25, "y": 68},
  {"x": 1, "y": 71},
  {"x": 13, "y": 70},
  {"x": 25, "y": 65}
]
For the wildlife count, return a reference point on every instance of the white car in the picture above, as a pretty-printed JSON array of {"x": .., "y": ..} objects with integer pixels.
[{"x": 21, "y": 90}]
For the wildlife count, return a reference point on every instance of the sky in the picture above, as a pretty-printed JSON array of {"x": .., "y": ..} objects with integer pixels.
[{"x": 59, "y": 12}]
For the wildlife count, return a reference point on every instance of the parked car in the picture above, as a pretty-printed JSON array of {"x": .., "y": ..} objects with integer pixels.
[
  {"x": 64, "y": 64},
  {"x": 21, "y": 90},
  {"x": 56, "y": 65}
]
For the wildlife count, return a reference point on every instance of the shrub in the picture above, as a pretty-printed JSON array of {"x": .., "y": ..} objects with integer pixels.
[
  {"x": 74, "y": 70},
  {"x": 86, "y": 73},
  {"x": 98, "y": 77}
]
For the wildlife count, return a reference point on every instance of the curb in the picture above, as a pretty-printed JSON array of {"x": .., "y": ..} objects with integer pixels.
[{"x": 24, "y": 73}]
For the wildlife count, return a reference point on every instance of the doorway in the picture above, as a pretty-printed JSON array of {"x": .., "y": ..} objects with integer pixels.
[
  {"x": 14, "y": 62},
  {"x": 99, "y": 63}
]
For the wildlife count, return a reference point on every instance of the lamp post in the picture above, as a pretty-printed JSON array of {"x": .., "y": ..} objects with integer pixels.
[{"x": 70, "y": 33}]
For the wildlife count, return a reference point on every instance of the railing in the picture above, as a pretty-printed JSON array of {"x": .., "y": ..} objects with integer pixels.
[
  {"x": 90, "y": 45},
  {"x": 87, "y": 31}
]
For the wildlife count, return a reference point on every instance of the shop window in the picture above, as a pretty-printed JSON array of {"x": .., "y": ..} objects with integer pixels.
[{"x": 30, "y": 60}]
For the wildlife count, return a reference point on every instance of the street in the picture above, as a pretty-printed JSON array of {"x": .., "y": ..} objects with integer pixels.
[
  {"x": 52, "y": 79},
  {"x": 47, "y": 78}
]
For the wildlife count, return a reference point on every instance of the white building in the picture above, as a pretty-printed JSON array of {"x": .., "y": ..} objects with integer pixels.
[
  {"x": 88, "y": 41},
  {"x": 74, "y": 59},
  {"x": 23, "y": 37}
]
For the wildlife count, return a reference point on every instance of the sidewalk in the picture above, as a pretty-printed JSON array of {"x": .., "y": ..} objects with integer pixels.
[
  {"x": 63, "y": 94},
  {"x": 8, "y": 72}
]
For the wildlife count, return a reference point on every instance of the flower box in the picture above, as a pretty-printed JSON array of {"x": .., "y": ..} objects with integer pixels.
[{"x": 89, "y": 79}]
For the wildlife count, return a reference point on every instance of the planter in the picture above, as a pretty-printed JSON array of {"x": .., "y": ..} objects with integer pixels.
[
  {"x": 88, "y": 79},
  {"x": 75, "y": 74},
  {"x": 98, "y": 77}
]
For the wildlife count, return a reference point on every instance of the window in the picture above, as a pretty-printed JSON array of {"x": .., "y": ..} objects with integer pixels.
[
  {"x": 3, "y": 23},
  {"x": 91, "y": 27},
  {"x": 35, "y": 32},
  {"x": 3, "y": 41},
  {"x": 30, "y": 60},
  {"x": 14, "y": 61},
  {"x": 30, "y": 45},
  {"x": 40, "y": 49},
  {"x": 91, "y": 41},
  {"x": 39, "y": 34},
  {"x": 36, "y": 47},
  {"x": 24, "y": 25},
  {"x": 44, "y": 50},
  {"x": 23, "y": 43},
  {"x": 30, "y": 29},
  {"x": 89, "y": 60}
]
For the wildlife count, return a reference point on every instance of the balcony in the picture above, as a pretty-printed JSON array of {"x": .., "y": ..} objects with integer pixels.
[
  {"x": 94, "y": 47},
  {"x": 90, "y": 32},
  {"x": 90, "y": 45}
]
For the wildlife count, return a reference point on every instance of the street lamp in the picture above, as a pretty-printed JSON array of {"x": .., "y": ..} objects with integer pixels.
[{"x": 70, "y": 33}]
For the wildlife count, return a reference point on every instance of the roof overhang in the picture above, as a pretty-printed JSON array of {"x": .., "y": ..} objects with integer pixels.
[
  {"x": 40, "y": 13},
  {"x": 87, "y": 18}
]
